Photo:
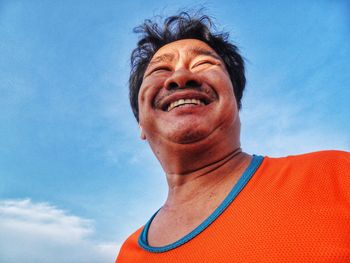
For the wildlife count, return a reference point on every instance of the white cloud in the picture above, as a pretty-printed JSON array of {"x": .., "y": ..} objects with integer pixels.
[{"x": 41, "y": 233}]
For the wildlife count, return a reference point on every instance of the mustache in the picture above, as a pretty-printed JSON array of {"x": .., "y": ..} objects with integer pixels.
[
  {"x": 203, "y": 92},
  {"x": 179, "y": 89}
]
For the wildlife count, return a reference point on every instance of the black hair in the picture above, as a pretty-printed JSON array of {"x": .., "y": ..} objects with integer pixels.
[{"x": 182, "y": 26}]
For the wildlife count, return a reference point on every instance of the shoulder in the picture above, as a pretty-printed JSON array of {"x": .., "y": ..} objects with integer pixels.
[
  {"x": 327, "y": 170},
  {"x": 331, "y": 155},
  {"x": 319, "y": 166},
  {"x": 325, "y": 161},
  {"x": 129, "y": 247},
  {"x": 329, "y": 158}
]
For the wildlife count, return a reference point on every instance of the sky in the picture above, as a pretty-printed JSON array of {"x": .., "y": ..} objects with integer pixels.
[{"x": 75, "y": 177}]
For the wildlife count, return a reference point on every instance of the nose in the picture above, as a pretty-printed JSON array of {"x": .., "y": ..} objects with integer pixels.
[{"x": 182, "y": 78}]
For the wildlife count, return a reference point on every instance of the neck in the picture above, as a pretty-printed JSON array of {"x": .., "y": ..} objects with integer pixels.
[
  {"x": 211, "y": 164},
  {"x": 192, "y": 186}
]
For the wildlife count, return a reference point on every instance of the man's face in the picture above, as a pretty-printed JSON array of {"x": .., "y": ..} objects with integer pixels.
[{"x": 186, "y": 94}]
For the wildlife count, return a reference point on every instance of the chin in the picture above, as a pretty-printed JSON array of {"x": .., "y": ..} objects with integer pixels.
[{"x": 188, "y": 136}]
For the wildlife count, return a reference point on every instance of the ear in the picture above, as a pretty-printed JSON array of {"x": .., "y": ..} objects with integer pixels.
[{"x": 142, "y": 135}]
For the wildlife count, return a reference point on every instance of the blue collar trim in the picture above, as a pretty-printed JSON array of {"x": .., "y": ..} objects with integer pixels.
[{"x": 243, "y": 180}]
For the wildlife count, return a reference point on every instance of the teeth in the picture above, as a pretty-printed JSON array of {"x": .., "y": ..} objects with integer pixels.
[{"x": 184, "y": 101}]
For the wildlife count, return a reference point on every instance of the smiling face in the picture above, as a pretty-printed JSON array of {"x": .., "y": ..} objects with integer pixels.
[{"x": 186, "y": 95}]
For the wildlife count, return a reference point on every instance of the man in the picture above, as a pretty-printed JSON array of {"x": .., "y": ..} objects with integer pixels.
[{"x": 225, "y": 205}]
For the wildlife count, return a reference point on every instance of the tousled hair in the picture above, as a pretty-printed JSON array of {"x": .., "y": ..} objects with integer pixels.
[{"x": 182, "y": 26}]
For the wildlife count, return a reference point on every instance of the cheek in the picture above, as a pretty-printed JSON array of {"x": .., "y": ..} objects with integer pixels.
[
  {"x": 220, "y": 82},
  {"x": 149, "y": 90},
  {"x": 144, "y": 100}
]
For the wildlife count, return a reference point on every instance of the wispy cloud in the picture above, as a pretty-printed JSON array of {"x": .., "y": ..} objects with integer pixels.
[
  {"x": 42, "y": 233},
  {"x": 283, "y": 126}
]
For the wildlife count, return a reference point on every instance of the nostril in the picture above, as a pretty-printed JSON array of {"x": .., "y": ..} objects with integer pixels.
[
  {"x": 192, "y": 84},
  {"x": 172, "y": 85}
]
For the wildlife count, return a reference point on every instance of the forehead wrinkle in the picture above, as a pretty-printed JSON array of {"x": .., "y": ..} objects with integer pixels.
[
  {"x": 201, "y": 51},
  {"x": 167, "y": 57}
]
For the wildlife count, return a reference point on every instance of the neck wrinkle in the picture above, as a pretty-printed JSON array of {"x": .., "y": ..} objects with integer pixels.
[
  {"x": 175, "y": 180},
  {"x": 185, "y": 188}
]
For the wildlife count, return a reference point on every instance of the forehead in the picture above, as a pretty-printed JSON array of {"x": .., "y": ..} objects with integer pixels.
[{"x": 184, "y": 47}]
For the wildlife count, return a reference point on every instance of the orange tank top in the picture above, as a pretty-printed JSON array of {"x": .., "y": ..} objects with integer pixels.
[{"x": 291, "y": 209}]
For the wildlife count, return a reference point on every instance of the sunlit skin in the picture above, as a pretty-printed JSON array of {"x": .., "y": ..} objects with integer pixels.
[{"x": 197, "y": 144}]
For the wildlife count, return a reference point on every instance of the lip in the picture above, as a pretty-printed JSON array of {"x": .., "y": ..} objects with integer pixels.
[{"x": 163, "y": 103}]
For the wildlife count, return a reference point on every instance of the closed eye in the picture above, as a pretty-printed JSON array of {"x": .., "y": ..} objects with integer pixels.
[
  {"x": 159, "y": 69},
  {"x": 202, "y": 63}
]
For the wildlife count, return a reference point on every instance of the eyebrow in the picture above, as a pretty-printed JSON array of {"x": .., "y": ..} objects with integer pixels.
[
  {"x": 192, "y": 51},
  {"x": 200, "y": 51},
  {"x": 162, "y": 58}
]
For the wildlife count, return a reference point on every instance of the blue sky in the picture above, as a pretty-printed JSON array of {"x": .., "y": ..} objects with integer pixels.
[{"x": 75, "y": 177}]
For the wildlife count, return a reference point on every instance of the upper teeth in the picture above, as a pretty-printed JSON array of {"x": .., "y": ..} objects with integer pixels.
[{"x": 184, "y": 101}]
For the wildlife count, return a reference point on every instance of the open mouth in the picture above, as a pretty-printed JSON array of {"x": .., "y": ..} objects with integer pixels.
[
  {"x": 183, "y": 99},
  {"x": 182, "y": 102}
]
